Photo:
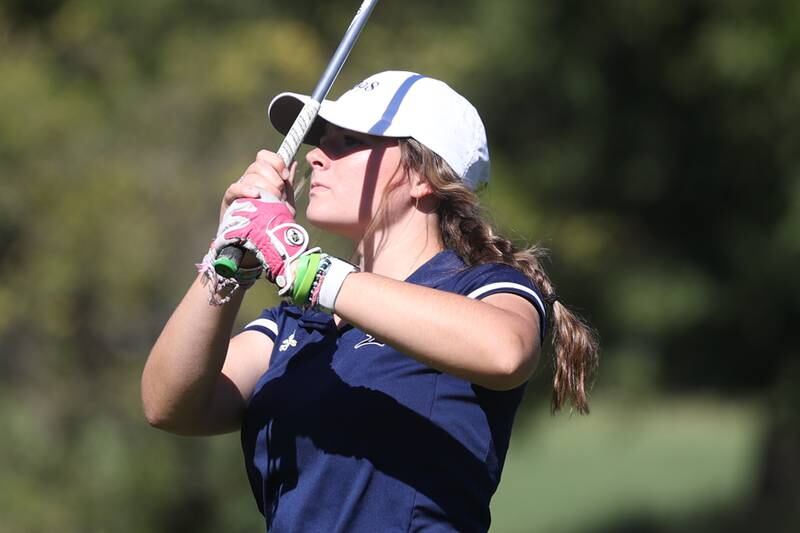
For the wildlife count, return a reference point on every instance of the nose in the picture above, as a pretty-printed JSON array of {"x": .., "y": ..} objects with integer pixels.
[{"x": 318, "y": 159}]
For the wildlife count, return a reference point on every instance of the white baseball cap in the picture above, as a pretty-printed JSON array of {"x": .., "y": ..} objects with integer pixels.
[{"x": 401, "y": 104}]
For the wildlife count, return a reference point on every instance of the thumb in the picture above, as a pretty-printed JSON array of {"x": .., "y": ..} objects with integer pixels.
[
  {"x": 288, "y": 174},
  {"x": 288, "y": 179}
]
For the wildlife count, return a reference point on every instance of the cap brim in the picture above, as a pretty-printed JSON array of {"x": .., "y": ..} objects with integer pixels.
[
  {"x": 285, "y": 107},
  {"x": 283, "y": 111}
]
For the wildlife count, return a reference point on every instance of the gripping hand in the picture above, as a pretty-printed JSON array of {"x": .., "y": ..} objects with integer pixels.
[{"x": 266, "y": 227}]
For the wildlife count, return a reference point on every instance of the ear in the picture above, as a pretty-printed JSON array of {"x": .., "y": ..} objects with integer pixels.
[{"x": 420, "y": 186}]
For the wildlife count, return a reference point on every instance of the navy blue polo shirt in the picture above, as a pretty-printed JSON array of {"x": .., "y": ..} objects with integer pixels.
[{"x": 345, "y": 433}]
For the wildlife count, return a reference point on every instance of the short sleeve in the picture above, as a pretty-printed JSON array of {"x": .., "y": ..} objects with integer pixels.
[
  {"x": 266, "y": 323},
  {"x": 485, "y": 280}
]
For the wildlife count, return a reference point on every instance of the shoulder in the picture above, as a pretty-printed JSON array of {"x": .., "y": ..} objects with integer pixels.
[{"x": 481, "y": 281}]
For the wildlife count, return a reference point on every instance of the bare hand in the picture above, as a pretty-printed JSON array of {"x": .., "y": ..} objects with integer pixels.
[{"x": 266, "y": 175}]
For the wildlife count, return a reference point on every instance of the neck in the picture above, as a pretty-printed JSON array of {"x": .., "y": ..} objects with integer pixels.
[{"x": 399, "y": 249}]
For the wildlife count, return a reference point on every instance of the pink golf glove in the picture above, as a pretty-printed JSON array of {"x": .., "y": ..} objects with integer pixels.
[{"x": 266, "y": 227}]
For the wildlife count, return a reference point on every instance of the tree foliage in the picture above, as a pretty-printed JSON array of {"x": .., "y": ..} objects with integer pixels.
[{"x": 650, "y": 145}]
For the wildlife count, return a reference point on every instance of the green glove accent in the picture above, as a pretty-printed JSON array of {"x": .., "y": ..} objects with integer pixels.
[{"x": 304, "y": 273}]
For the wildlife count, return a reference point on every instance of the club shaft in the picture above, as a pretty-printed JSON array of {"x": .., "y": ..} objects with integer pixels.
[
  {"x": 294, "y": 138},
  {"x": 343, "y": 50},
  {"x": 302, "y": 124}
]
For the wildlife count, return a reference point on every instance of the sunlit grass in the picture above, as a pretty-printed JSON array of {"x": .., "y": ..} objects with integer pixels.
[{"x": 662, "y": 461}]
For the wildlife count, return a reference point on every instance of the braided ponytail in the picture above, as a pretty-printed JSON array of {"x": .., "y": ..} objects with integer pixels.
[{"x": 464, "y": 230}]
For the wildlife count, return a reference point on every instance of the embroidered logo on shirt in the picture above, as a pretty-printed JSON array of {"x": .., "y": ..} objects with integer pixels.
[
  {"x": 288, "y": 342},
  {"x": 369, "y": 341}
]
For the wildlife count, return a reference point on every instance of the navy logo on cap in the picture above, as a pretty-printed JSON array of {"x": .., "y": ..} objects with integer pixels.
[{"x": 367, "y": 85}]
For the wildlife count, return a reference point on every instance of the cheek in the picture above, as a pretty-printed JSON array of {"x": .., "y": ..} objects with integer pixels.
[
  {"x": 338, "y": 206},
  {"x": 395, "y": 203},
  {"x": 357, "y": 186},
  {"x": 383, "y": 180}
]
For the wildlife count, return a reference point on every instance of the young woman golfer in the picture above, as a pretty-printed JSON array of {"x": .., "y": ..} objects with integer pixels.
[{"x": 379, "y": 396}]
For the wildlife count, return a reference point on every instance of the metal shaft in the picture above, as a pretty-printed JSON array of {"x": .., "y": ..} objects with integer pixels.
[
  {"x": 227, "y": 262},
  {"x": 304, "y": 120}
]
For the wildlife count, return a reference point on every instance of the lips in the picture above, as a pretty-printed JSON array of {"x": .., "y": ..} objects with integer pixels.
[{"x": 317, "y": 185}]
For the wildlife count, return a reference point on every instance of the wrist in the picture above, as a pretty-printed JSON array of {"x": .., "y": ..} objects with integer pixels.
[
  {"x": 221, "y": 288},
  {"x": 332, "y": 282},
  {"x": 318, "y": 279}
]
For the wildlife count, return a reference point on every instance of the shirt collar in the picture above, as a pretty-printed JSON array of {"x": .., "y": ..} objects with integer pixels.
[
  {"x": 437, "y": 269},
  {"x": 309, "y": 318}
]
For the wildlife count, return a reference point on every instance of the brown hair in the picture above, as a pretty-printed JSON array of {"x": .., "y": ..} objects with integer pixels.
[{"x": 465, "y": 230}]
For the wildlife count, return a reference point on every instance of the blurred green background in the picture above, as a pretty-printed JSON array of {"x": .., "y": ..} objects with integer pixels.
[{"x": 652, "y": 146}]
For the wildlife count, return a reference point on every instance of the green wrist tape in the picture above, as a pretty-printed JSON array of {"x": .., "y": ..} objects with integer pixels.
[{"x": 304, "y": 273}]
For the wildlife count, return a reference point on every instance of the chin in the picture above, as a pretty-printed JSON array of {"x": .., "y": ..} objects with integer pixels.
[
  {"x": 333, "y": 223},
  {"x": 318, "y": 217}
]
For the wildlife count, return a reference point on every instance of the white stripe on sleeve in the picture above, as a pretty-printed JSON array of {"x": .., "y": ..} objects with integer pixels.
[
  {"x": 507, "y": 285},
  {"x": 264, "y": 323}
]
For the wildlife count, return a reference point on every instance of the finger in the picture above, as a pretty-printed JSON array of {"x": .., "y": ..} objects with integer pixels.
[
  {"x": 264, "y": 169},
  {"x": 261, "y": 174},
  {"x": 271, "y": 184},
  {"x": 266, "y": 176},
  {"x": 275, "y": 161},
  {"x": 238, "y": 190},
  {"x": 292, "y": 172}
]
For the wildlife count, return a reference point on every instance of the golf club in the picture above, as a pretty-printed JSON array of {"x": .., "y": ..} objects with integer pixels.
[{"x": 227, "y": 262}]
